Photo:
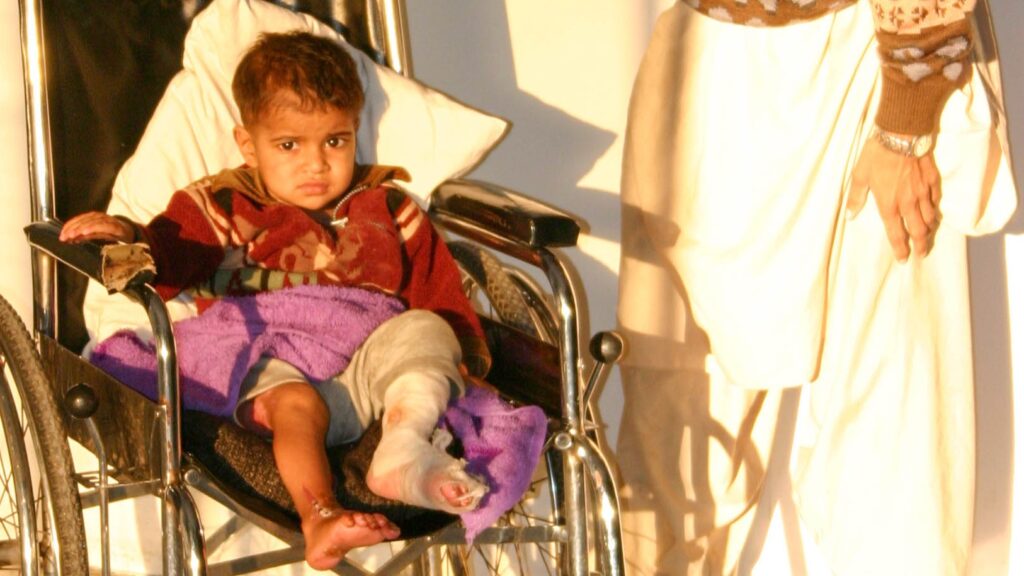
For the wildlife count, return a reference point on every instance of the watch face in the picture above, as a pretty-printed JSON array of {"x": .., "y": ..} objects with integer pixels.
[{"x": 922, "y": 145}]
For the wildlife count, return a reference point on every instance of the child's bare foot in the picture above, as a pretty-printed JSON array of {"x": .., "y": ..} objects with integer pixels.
[
  {"x": 331, "y": 534},
  {"x": 409, "y": 469}
]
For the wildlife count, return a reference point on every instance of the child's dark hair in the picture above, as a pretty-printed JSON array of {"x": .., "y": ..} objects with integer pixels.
[{"x": 318, "y": 70}]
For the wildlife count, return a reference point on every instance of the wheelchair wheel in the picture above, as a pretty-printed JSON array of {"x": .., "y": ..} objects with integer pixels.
[
  {"x": 511, "y": 298},
  {"x": 41, "y": 526},
  {"x": 525, "y": 539},
  {"x": 522, "y": 541}
]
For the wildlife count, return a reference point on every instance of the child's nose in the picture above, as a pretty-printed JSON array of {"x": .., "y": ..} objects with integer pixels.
[{"x": 316, "y": 161}]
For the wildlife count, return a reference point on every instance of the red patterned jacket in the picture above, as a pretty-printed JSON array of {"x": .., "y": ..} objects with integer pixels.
[{"x": 225, "y": 235}]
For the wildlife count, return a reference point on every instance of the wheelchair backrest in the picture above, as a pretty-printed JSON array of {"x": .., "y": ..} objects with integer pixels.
[{"x": 93, "y": 86}]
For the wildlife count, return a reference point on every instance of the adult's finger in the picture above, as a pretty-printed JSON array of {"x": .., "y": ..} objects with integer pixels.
[
  {"x": 916, "y": 212},
  {"x": 858, "y": 194},
  {"x": 917, "y": 229},
  {"x": 930, "y": 175},
  {"x": 896, "y": 233},
  {"x": 929, "y": 213}
]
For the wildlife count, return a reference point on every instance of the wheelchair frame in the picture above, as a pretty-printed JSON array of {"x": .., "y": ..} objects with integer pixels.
[{"x": 522, "y": 228}]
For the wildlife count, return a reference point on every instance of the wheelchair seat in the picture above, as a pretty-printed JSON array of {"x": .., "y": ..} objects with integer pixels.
[{"x": 241, "y": 463}]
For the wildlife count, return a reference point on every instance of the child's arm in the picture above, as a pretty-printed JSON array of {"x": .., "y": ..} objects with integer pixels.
[
  {"x": 97, "y": 226},
  {"x": 433, "y": 283},
  {"x": 184, "y": 246}
]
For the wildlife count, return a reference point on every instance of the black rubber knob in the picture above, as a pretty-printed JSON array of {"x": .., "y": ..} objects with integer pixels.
[
  {"x": 81, "y": 401},
  {"x": 606, "y": 347}
]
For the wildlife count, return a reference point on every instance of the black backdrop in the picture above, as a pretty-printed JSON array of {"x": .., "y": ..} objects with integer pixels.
[{"x": 108, "y": 62}]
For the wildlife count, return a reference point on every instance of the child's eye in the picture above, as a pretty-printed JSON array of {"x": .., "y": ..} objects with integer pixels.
[
  {"x": 335, "y": 142},
  {"x": 287, "y": 146}
]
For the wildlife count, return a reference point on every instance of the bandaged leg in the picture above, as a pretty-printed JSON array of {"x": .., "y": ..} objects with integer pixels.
[{"x": 407, "y": 466}]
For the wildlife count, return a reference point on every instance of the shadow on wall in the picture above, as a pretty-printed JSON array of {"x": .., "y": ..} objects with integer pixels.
[
  {"x": 547, "y": 151},
  {"x": 994, "y": 409},
  {"x": 990, "y": 313}
]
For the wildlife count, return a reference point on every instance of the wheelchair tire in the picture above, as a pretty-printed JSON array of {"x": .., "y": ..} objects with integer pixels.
[
  {"x": 506, "y": 296},
  {"x": 36, "y": 445}
]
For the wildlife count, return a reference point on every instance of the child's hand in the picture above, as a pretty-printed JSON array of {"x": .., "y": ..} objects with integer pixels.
[{"x": 96, "y": 226}]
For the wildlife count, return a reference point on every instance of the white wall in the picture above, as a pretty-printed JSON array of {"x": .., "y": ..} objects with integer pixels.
[{"x": 561, "y": 73}]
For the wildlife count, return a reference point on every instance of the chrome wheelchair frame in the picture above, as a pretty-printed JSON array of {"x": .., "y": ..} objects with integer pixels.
[{"x": 525, "y": 230}]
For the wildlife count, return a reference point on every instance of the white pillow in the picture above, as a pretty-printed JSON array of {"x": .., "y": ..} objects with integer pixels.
[
  {"x": 189, "y": 136},
  {"x": 403, "y": 123}
]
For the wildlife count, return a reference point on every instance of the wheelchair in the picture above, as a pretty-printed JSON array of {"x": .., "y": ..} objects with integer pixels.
[{"x": 566, "y": 523}]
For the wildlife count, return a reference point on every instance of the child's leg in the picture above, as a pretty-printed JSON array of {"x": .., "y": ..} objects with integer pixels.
[
  {"x": 405, "y": 373},
  {"x": 298, "y": 419},
  {"x": 406, "y": 465}
]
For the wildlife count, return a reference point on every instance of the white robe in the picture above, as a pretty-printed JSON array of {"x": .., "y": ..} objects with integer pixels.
[{"x": 741, "y": 272}]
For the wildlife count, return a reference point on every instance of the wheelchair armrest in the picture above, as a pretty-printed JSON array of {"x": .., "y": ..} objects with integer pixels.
[
  {"x": 85, "y": 257},
  {"x": 503, "y": 219}
]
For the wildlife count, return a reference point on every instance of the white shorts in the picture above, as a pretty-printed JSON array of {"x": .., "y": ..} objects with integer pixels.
[{"x": 412, "y": 341}]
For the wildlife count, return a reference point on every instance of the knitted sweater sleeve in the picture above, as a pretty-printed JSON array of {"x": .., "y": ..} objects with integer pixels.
[
  {"x": 433, "y": 283},
  {"x": 185, "y": 247},
  {"x": 925, "y": 50}
]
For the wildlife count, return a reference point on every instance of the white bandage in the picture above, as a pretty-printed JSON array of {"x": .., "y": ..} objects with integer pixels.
[
  {"x": 406, "y": 460},
  {"x": 420, "y": 397}
]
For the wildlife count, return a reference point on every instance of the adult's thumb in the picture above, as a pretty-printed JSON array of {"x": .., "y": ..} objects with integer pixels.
[{"x": 858, "y": 196}]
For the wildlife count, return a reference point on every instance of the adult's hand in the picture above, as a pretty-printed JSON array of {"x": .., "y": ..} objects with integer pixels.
[{"x": 907, "y": 192}]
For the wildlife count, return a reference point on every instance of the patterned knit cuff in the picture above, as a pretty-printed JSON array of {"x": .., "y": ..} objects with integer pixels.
[{"x": 919, "y": 72}]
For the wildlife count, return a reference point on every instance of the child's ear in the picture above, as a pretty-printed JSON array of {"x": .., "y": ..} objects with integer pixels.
[{"x": 245, "y": 145}]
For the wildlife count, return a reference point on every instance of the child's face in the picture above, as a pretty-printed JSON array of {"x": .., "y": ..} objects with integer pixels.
[{"x": 304, "y": 157}]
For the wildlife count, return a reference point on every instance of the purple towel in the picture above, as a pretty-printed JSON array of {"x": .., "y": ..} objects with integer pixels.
[
  {"x": 317, "y": 329},
  {"x": 502, "y": 444}
]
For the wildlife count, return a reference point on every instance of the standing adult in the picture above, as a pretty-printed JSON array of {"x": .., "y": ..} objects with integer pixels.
[{"x": 799, "y": 180}]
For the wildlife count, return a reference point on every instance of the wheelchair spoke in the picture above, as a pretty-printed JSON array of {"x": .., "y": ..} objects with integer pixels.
[{"x": 511, "y": 554}]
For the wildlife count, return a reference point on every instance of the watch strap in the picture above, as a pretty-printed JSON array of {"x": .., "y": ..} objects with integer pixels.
[{"x": 912, "y": 146}]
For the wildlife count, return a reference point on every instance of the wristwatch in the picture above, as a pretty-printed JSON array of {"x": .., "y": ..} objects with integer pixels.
[{"x": 914, "y": 146}]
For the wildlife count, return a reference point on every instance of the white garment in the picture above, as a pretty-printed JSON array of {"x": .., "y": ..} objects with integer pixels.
[{"x": 738, "y": 158}]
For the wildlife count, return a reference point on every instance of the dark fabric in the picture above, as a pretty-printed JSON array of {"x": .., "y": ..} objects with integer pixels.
[
  {"x": 244, "y": 462},
  {"x": 108, "y": 62}
]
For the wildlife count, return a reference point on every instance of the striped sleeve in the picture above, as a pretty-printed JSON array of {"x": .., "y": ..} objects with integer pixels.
[
  {"x": 433, "y": 282},
  {"x": 184, "y": 244}
]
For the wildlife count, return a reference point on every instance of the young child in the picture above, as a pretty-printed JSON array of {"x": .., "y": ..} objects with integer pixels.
[{"x": 301, "y": 205}]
